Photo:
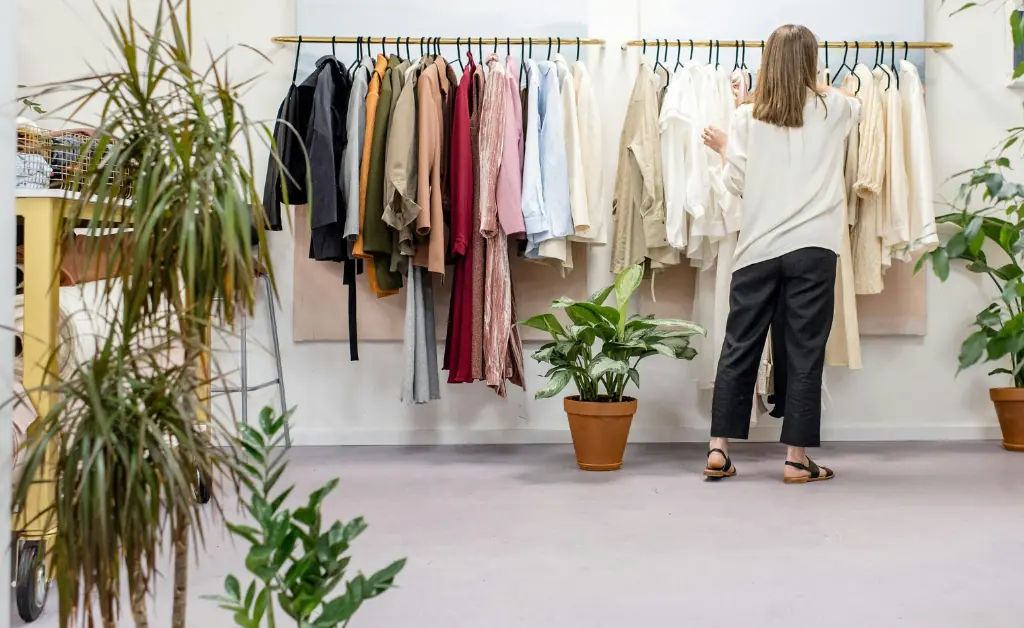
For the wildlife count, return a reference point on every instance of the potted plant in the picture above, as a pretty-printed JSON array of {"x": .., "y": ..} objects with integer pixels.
[
  {"x": 992, "y": 245},
  {"x": 600, "y": 414},
  {"x": 989, "y": 221},
  {"x": 135, "y": 444}
]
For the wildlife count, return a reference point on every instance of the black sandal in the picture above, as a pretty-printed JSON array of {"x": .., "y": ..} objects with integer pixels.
[
  {"x": 726, "y": 471},
  {"x": 816, "y": 472}
]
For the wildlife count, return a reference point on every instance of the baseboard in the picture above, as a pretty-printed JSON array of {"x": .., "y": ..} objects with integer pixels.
[{"x": 639, "y": 434}]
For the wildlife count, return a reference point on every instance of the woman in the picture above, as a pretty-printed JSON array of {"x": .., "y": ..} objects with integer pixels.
[{"x": 784, "y": 155}]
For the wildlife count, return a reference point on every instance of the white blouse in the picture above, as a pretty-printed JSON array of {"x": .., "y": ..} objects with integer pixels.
[{"x": 792, "y": 183}]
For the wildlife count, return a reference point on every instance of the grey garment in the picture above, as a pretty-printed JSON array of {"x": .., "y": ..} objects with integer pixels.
[
  {"x": 420, "y": 384},
  {"x": 430, "y": 337},
  {"x": 325, "y": 141},
  {"x": 351, "y": 157}
]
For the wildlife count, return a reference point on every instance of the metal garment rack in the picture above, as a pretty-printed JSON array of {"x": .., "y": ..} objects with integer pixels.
[
  {"x": 759, "y": 43},
  {"x": 445, "y": 41}
]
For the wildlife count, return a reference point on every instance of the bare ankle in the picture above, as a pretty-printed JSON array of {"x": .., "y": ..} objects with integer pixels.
[
  {"x": 719, "y": 443},
  {"x": 796, "y": 454}
]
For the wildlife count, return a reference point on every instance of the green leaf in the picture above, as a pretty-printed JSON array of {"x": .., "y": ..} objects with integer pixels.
[
  {"x": 555, "y": 385},
  {"x": 626, "y": 284},
  {"x": 634, "y": 376},
  {"x": 232, "y": 588},
  {"x": 663, "y": 350},
  {"x": 599, "y": 297},
  {"x": 1013, "y": 140},
  {"x": 1015, "y": 26},
  {"x": 989, "y": 317},
  {"x": 384, "y": 579},
  {"x": 957, "y": 245},
  {"x": 1009, "y": 272},
  {"x": 940, "y": 263},
  {"x": 692, "y": 329},
  {"x": 545, "y": 322},
  {"x": 1003, "y": 162},
  {"x": 261, "y": 606},
  {"x": 1000, "y": 371},
  {"x": 972, "y": 349},
  {"x": 604, "y": 364},
  {"x": 964, "y": 8}
]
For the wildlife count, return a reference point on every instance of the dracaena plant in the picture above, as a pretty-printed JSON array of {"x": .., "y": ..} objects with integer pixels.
[
  {"x": 297, "y": 561},
  {"x": 602, "y": 372}
]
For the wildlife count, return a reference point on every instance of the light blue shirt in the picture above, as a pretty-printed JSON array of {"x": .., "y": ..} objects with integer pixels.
[{"x": 546, "y": 208}]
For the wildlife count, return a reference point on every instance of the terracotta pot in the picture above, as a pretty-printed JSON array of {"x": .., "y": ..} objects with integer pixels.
[
  {"x": 599, "y": 431},
  {"x": 1009, "y": 404}
]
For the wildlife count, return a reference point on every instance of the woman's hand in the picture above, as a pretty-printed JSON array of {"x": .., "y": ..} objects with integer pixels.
[{"x": 716, "y": 139}]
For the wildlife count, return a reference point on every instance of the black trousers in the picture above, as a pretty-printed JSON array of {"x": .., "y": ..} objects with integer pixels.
[{"x": 798, "y": 291}]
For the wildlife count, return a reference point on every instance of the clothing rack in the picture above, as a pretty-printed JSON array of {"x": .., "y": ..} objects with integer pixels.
[
  {"x": 446, "y": 41},
  {"x": 734, "y": 43}
]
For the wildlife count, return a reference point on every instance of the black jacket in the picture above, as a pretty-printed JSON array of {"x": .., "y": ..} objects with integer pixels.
[{"x": 315, "y": 110}]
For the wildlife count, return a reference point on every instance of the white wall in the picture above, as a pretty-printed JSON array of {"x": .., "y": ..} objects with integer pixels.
[{"x": 906, "y": 391}]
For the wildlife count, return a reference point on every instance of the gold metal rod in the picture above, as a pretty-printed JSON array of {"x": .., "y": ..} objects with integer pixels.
[
  {"x": 447, "y": 41},
  {"x": 732, "y": 43}
]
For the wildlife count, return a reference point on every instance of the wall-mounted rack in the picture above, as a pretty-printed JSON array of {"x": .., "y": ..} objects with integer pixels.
[{"x": 758, "y": 43}]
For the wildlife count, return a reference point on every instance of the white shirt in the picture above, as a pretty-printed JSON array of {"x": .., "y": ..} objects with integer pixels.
[
  {"x": 590, "y": 130},
  {"x": 791, "y": 180},
  {"x": 919, "y": 161}
]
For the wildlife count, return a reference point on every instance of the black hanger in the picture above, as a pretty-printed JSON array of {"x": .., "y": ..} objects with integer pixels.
[
  {"x": 549, "y": 48},
  {"x": 334, "y": 50},
  {"x": 744, "y": 68},
  {"x": 495, "y": 51},
  {"x": 906, "y": 50},
  {"x": 522, "y": 61},
  {"x": 359, "y": 56},
  {"x": 295, "y": 70},
  {"x": 458, "y": 53},
  {"x": 408, "y": 53},
  {"x": 559, "y": 49},
  {"x": 895, "y": 72},
  {"x": 383, "y": 46},
  {"x": 718, "y": 51},
  {"x": 691, "y": 50},
  {"x": 480, "y": 48},
  {"x": 736, "y": 62},
  {"x": 577, "y": 48},
  {"x": 508, "y": 46},
  {"x": 369, "y": 52},
  {"x": 679, "y": 55}
]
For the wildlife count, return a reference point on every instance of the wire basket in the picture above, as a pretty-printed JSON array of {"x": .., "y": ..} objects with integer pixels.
[{"x": 54, "y": 159}]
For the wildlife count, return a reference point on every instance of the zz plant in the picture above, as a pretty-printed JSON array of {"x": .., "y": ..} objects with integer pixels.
[
  {"x": 602, "y": 372},
  {"x": 297, "y": 561}
]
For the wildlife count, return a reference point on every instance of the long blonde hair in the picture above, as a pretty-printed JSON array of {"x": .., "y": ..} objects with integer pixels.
[{"x": 789, "y": 68}]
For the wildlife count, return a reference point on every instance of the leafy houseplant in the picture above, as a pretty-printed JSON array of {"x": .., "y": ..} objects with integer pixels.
[
  {"x": 600, "y": 415},
  {"x": 175, "y": 139},
  {"x": 296, "y": 560},
  {"x": 987, "y": 236}
]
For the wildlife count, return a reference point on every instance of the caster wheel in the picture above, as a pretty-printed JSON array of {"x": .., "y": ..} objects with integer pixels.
[
  {"x": 202, "y": 489},
  {"x": 31, "y": 585}
]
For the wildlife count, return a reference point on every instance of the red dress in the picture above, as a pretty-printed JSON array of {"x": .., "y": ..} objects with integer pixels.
[{"x": 458, "y": 349}]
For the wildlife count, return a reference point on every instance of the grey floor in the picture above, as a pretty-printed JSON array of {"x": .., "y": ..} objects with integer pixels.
[{"x": 908, "y": 535}]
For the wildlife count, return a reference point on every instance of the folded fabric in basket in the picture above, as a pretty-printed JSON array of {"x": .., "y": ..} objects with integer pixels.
[{"x": 31, "y": 172}]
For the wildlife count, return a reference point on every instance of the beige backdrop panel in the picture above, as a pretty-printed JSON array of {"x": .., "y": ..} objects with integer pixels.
[
  {"x": 901, "y": 309},
  {"x": 321, "y": 300}
]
